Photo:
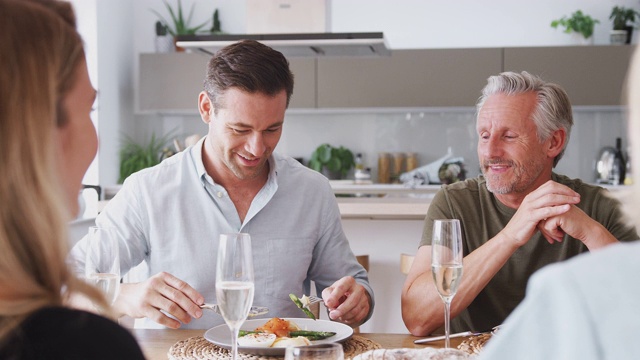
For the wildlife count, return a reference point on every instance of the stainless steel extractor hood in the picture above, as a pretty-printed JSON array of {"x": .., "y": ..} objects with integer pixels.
[{"x": 297, "y": 45}]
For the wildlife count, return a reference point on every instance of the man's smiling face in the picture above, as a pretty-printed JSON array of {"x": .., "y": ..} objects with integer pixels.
[
  {"x": 244, "y": 131},
  {"x": 512, "y": 158}
]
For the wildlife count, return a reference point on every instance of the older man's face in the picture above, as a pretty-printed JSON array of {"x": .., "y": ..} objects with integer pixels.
[{"x": 511, "y": 158}]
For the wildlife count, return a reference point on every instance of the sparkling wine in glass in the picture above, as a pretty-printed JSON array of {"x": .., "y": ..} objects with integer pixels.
[
  {"x": 446, "y": 264},
  {"x": 234, "y": 282},
  {"x": 102, "y": 261}
]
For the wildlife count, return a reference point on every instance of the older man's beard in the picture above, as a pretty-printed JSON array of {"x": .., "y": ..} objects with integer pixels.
[{"x": 521, "y": 176}]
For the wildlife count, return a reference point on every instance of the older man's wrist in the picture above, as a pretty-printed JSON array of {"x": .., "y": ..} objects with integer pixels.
[
  {"x": 507, "y": 240},
  {"x": 599, "y": 237}
]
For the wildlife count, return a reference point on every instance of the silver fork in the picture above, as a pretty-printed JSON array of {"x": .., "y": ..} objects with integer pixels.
[
  {"x": 313, "y": 300},
  {"x": 254, "y": 311}
]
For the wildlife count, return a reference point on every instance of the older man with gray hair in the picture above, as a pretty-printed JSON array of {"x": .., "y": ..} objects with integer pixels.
[{"x": 518, "y": 216}]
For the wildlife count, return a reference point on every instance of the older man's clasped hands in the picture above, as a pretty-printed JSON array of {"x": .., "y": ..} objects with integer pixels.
[{"x": 551, "y": 210}]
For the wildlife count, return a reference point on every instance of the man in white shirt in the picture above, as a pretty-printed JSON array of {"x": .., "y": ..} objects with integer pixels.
[{"x": 171, "y": 215}]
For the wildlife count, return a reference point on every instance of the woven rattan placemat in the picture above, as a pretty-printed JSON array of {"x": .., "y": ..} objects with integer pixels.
[
  {"x": 198, "y": 348},
  {"x": 474, "y": 344}
]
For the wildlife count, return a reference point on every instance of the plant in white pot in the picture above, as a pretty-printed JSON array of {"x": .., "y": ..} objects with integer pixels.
[
  {"x": 578, "y": 24},
  {"x": 623, "y": 20},
  {"x": 179, "y": 25},
  {"x": 164, "y": 41}
]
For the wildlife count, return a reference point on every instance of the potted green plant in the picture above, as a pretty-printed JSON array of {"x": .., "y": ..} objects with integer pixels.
[
  {"x": 577, "y": 23},
  {"x": 179, "y": 25},
  {"x": 333, "y": 162},
  {"x": 135, "y": 157},
  {"x": 623, "y": 20}
]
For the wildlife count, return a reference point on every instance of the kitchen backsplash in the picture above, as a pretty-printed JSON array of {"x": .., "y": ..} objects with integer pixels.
[{"x": 428, "y": 133}]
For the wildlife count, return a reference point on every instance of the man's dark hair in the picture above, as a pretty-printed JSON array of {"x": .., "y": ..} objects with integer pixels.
[{"x": 249, "y": 66}]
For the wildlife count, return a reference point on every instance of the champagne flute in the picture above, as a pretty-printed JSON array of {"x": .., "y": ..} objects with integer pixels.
[
  {"x": 234, "y": 282},
  {"x": 446, "y": 264},
  {"x": 102, "y": 261}
]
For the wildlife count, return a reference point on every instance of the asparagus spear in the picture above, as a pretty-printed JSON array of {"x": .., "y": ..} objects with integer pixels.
[
  {"x": 312, "y": 335},
  {"x": 299, "y": 304}
]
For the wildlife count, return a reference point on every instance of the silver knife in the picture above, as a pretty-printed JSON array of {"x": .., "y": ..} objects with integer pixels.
[{"x": 442, "y": 337}]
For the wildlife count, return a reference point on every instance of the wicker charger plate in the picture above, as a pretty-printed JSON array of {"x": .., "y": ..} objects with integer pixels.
[
  {"x": 474, "y": 344},
  {"x": 198, "y": 348}
]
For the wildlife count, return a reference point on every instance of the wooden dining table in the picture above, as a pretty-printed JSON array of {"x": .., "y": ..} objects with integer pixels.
[{"x": 156, "y": 343}]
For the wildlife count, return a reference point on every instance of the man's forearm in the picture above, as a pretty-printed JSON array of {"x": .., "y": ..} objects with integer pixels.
[
  {"x": 599, "y": 237},
  {"x": 120, "y": 306},
  {"x": 369, "y": 313},
  {"x": 581, "y": 226}
]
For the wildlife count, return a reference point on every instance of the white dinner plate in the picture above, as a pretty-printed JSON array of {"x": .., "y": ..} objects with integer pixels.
[{"x": 221, "y": 336}]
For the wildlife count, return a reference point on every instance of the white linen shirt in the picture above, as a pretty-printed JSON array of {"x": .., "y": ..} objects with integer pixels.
[
  {"x": 172, "y": 214},
  {"x": 584, "y": 308}
]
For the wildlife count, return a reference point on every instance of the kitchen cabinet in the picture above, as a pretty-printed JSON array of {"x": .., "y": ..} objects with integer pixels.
[
  {"x": 591, "y": 75},
  {"x": 407, "y": 78},
  {"x": 170, "y": 83},
  {"x": 304, "y": 80}
]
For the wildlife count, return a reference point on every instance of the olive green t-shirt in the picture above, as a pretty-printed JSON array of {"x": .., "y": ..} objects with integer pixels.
[{"x": 482, "y": 217}]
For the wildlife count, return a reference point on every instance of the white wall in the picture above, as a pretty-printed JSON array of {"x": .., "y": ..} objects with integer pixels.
[
  {"x": 106, "y": 27},
  {"x": 470, "y": 23},
  {"x": 418, "y": 23},
  {"x": 115, "y": 72},
  {"x": 86, "y": 23}
]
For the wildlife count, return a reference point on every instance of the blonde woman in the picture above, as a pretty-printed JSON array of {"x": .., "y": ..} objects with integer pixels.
[
  {"x": 47, "y": 141},
  {"x": 587, "y": 307}
]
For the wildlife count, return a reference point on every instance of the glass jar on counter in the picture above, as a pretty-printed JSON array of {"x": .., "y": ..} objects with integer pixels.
[{"x": 384, "y": 163}]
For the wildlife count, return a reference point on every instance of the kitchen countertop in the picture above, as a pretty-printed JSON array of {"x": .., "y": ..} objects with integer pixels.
[
  {"x": 376, "y": 201},
  {"x": 392, "y": 201},
  {"x": 350, "y": 187},
  {"x": 383, "y": 201},
  {"x": 396, "y": 208}
]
